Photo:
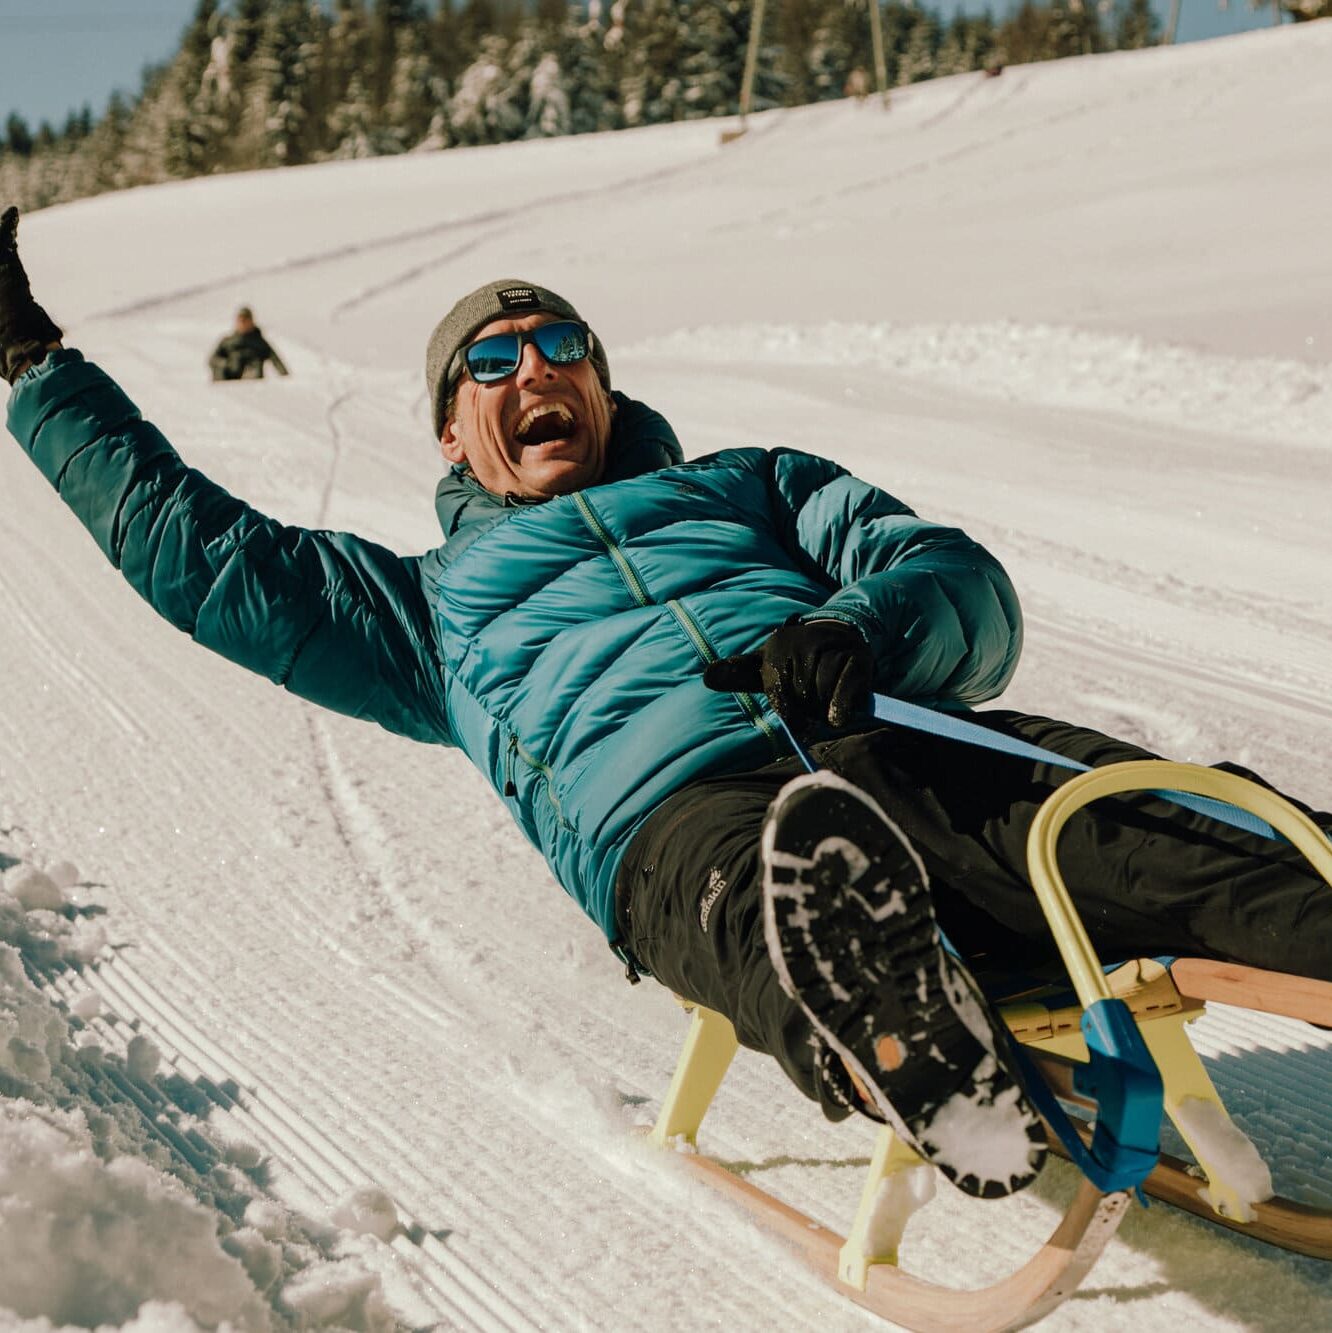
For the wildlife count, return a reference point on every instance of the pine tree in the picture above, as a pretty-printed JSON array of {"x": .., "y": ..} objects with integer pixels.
[
  {"x": 915, "y": 59},
  {"x": 194, "y": 106},
  {"x": 282, "y": 113},
  {"x": 841, "y": 43},
  {"x": 1136, "y": 25},
  {"x": 18, "y": 137},
  {"x": 716, "y": 38},
  {"x": 415, "y": 90},
  {"x": 654, "y": 42},
  {"x": 487, "y": 106},
  {"x": 1027, "y": 35},
  {"x": 591, "y": 67},
  {"x": 548, "y": 109}
]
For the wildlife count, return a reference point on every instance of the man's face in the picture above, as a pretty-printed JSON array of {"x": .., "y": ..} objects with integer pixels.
[
  {"x": 539, "y": 432},
  {"x": 244, "y": 323}
]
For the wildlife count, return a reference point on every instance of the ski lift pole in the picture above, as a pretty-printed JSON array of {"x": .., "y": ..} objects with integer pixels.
[
  {"x": 751, "y": 61},
  {"x": 876, "y": 37}
]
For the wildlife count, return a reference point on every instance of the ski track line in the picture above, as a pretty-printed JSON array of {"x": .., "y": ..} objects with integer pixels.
[
  {"x": 1171, "y": 591},
  {"x": 343, "y": 395},
  {"x": 973, "y": 86},
  {"x": 661, "y": 1207},
  {"x": 564, "y": 199},
  {"x": 392, "y": 241},
  {"x": 785, "y": 210},
  {"x": 57, "y": 663},
  {"x": 470, "y": 1221},
  {"x": 1090, "y": 643},
  {"x": 302, "y": 1149},
  {"x": 295, "y": 265},
  {"x": 415, "y": 271},
  {"x": 359, "y": 832},
  {"x": 1042, "y": 125},
  {"x": 895, "y": 175}
]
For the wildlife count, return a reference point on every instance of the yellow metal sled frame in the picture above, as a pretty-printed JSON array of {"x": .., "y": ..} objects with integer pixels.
[{"x": 864, "y": 1264}]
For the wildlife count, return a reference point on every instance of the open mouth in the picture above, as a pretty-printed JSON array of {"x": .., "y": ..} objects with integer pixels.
[{"x": 540, "y": 425}]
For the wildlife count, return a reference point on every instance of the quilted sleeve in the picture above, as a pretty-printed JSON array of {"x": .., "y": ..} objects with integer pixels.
[
  {"x": 335, "y": 619},
  {"x": 937, "y": 608}
]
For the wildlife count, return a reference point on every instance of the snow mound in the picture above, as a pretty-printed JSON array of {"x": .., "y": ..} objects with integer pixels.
[
  {"x": 117, "y": 1216},
  {"x": 1048, "y": 364},
  {"x": 88, "y": 1241}
]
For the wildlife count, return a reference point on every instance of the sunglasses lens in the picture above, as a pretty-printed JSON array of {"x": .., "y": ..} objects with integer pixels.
[
  {"x": 561, "y": 343},
  {"x": 493, "y": 358},
  {"x": 498, "y": 356}
]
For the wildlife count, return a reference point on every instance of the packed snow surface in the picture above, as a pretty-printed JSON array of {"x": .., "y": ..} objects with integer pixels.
[{"x": 295, "y": 1031}]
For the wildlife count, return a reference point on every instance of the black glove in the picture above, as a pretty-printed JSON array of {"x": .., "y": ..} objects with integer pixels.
[
  {"x": 814, "y": 673},
  {"x": 25, "y": 328}
]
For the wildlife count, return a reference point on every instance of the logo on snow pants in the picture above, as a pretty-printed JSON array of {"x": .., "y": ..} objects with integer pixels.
[{"x": 716, "y": 886}]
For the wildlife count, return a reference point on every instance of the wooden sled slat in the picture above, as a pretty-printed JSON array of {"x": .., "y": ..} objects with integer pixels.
[
  {"x": 1016, "y": 1301},
  {"x": 1252, "y": 988}
]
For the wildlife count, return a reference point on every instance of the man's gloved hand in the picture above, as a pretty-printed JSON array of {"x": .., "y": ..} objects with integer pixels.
[
  {"x": 814, "y": 673},
  {"x": 26, "y": 330}
]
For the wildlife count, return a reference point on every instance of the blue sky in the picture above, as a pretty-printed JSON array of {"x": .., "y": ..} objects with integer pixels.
[{"x": 55, "y": 55}]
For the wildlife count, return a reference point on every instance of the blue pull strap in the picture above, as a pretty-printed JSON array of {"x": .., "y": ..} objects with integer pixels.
[
  {"x": 952, "y": 727},
  {"x": 1122, "y": 1079}
]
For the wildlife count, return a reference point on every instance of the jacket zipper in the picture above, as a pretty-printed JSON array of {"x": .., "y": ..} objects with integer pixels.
[
  {"x": 627, "y": 571},
  {"x": 687, "y": 622},
  {"x": 514, "y": 751},
  {"x": 510, "y": 787},
  {"x": 709, "y": 654}
]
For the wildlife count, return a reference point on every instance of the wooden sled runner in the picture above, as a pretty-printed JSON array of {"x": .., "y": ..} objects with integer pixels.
[{"x": 1060, "y": 1039}]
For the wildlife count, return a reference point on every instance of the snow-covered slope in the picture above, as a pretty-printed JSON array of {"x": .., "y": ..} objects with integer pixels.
[{"x": 1080, "y": 309}]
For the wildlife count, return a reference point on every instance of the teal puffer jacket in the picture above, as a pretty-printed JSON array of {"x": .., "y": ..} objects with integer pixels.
[{"x": 560, "y": 645}]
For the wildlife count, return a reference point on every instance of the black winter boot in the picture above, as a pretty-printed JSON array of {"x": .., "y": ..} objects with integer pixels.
[{"x": 850, "y": 929}]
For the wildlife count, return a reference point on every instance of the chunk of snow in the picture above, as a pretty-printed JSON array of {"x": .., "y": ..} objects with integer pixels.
[
  {"x": 88, "y": 1242},
  {"x": 242, "y": 1153},
  {"x": 64, "y": 873},
  {"x": 260, "y": 1257},
  {"x": 88, "y": 1005},
  {"x": 34, "y": 889},
  {"x": 86, "y": 940},
  {"x": 32, "y": 1031},
  {"x": 345, "y": 1297},
  {"x": 897, "y": 1198},
  {"x": 367, "y": 1210},
  {"x": 269, "y": 1219},
  {"x": 988, "y": 1141},
  {"x": 1229, "y": 1153},
  {"x": 142, "y": 1058}
]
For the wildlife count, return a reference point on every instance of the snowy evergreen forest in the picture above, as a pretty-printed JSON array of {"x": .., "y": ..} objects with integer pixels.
[{"x": 263, "y": 83}]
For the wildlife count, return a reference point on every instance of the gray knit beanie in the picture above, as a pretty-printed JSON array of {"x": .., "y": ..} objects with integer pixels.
[{"x": 502, "y": 299}]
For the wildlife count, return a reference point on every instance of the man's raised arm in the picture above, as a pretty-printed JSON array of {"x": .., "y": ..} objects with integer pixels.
[{"x": 338, "y": 620}]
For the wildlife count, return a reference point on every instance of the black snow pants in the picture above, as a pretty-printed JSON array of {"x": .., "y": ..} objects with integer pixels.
[{"x": 1149, "y": 878}]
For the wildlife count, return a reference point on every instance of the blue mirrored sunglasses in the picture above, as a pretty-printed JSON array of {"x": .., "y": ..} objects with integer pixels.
[{"x": 496, "y": 357}]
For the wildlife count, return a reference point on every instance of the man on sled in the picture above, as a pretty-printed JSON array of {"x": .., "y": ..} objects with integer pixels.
[{"x": 619, "y": 640}]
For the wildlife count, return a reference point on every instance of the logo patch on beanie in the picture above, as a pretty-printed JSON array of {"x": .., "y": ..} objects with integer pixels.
[{"x": 517, "y": 298}]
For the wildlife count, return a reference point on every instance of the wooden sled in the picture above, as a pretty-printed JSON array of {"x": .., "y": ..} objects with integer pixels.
[{"x": 863, "y": 1265}]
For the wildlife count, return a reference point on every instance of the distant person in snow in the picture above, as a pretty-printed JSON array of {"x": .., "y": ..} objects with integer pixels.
[
  {"x": 242, "y": 353},
  {"x": 857, "y": 84},
  {"x": 615, "y": 638}
]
